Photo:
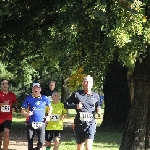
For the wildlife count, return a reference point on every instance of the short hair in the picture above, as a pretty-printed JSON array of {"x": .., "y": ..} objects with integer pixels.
[
  {"x": 55, "y": 93},
  {"x": 4, "y": 80},
  {"x": 88, "y": 76},
  {"x": 52, "y": 82}
]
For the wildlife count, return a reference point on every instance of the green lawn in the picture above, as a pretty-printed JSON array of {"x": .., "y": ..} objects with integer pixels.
[
  {"x": 17, "y": 117},
  {"x": 103, "y": 140}
]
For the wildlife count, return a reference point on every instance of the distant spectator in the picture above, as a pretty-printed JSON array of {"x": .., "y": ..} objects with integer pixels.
[
  {"x": 48, "y": 92},
  {"x": 101, "y": 99}
]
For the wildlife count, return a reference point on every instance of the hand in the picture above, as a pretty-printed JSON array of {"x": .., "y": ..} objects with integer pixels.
[
  {"x": 13, "y": 109},
  {"x": 98, "y": 110},
  {"x": 48, "y": 118},
  {"x": 49, "y": 114},
  {"x": 62, "y": 117},
  {"x": 30, "y": 113},
  {"x": 6, "y": 102},
  {"x": 79, "y": 106}
]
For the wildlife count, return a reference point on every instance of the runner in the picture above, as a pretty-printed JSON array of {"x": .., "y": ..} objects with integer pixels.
[
  {"x": 55, "y": 125},
  {"x": 86, "y": 104},
  {"x": 7, "y": 106},
  {"x": 48, "y": 92},
  {"x": 36, "y": 123}
]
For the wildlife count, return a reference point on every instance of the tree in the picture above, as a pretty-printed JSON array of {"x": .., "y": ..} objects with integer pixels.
[
  {"x": 136, "y": 133},
  {"x": 26, "y": 39},
  {"x": 117, "y": 97}
]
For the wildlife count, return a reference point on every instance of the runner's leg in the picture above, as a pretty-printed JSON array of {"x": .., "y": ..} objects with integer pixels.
[
  {"x": 48, "y": 138},
  {"x": 57, "y": 139},
  {"x": 89, "y": 135},
  {"x": 80, "y": 146},
  {"x": 88, "y": 144},
  {"x": 41, "y": 136},
  {"x": 30, "y": 135},
  {"x": 6, "y": 127},
  {"x": 1, "y": 138},
  {"x": 79, "y": 134},
  {"x": 6, "y": 139}
]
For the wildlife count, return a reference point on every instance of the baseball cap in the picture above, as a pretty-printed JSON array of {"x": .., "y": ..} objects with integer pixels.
[{"x": 36, "y": 84}]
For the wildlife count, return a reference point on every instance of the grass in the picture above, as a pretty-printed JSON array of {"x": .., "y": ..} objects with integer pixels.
[
  {"x": 103, "y": 140},
  {"x": 18, "y": 117}
]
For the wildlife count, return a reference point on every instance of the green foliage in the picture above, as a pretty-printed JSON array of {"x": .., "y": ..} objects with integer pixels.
[
  {"x": 41, "y": 40},
  {"x": 4, "y": 73}
]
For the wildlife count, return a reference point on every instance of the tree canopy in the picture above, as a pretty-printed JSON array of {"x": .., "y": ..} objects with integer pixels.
[{"x": 38, "y": 37}]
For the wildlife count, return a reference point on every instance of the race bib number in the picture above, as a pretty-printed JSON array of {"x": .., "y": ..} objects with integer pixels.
[
  {"x": 84, "y": 116},
  {"x": 37, "y": 125},
  {"x": 5, "y": 108},
  {"x": 55, "y": 117}
]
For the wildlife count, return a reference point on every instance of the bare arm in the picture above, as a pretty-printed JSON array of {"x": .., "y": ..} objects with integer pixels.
[
  {"x": 26, "y": 113},
  {"x": 49, "y": 110}
]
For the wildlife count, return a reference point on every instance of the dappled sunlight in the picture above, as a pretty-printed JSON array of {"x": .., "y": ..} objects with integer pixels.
[{"x": 103, "y": 140}]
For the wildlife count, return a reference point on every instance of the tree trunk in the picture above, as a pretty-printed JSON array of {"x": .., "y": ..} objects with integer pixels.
[
  {"x": 116, "y": 97},
  {"x": 65, "y": 93},
  {"x": 136, "y": 135},
  {"x": 131, "y": 87}
]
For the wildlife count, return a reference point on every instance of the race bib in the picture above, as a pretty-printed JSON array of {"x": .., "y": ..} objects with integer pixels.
[
  {"x": 37, "y": 125},
  {"x": 55, "y": 117},
  {"x": 5, "y": 108},
  {"x": 85, "y": 116}
]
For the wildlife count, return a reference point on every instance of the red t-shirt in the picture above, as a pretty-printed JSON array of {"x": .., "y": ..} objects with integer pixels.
[{"x": 6, "y": 110}]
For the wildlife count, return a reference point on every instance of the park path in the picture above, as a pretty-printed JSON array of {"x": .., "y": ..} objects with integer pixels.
[
  {"x": 19, "y": 142},
  {"x": 18, "y": 139}
]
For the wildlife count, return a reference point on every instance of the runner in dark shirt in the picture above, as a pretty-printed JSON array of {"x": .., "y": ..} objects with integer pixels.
[
  {"x": 86, "y": 104},
  {"x": 48, "y": 92}
]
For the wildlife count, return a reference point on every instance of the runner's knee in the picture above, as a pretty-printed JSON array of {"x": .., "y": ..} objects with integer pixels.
[{"x": 6, "y": 132}]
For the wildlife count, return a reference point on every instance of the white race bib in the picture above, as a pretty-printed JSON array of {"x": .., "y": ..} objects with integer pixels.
[
  {"x": 37, "y": 125},
  {"x": 85, "y": 116},
  {"x": 55, "y": 117},
  {"x": 5, "y": 108}
]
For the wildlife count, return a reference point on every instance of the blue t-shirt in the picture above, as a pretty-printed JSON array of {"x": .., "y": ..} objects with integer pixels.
[{"x": 37, "y": 106}]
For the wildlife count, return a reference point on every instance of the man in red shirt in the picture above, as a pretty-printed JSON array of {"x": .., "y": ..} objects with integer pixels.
[{"x": 7, "y": 106}]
